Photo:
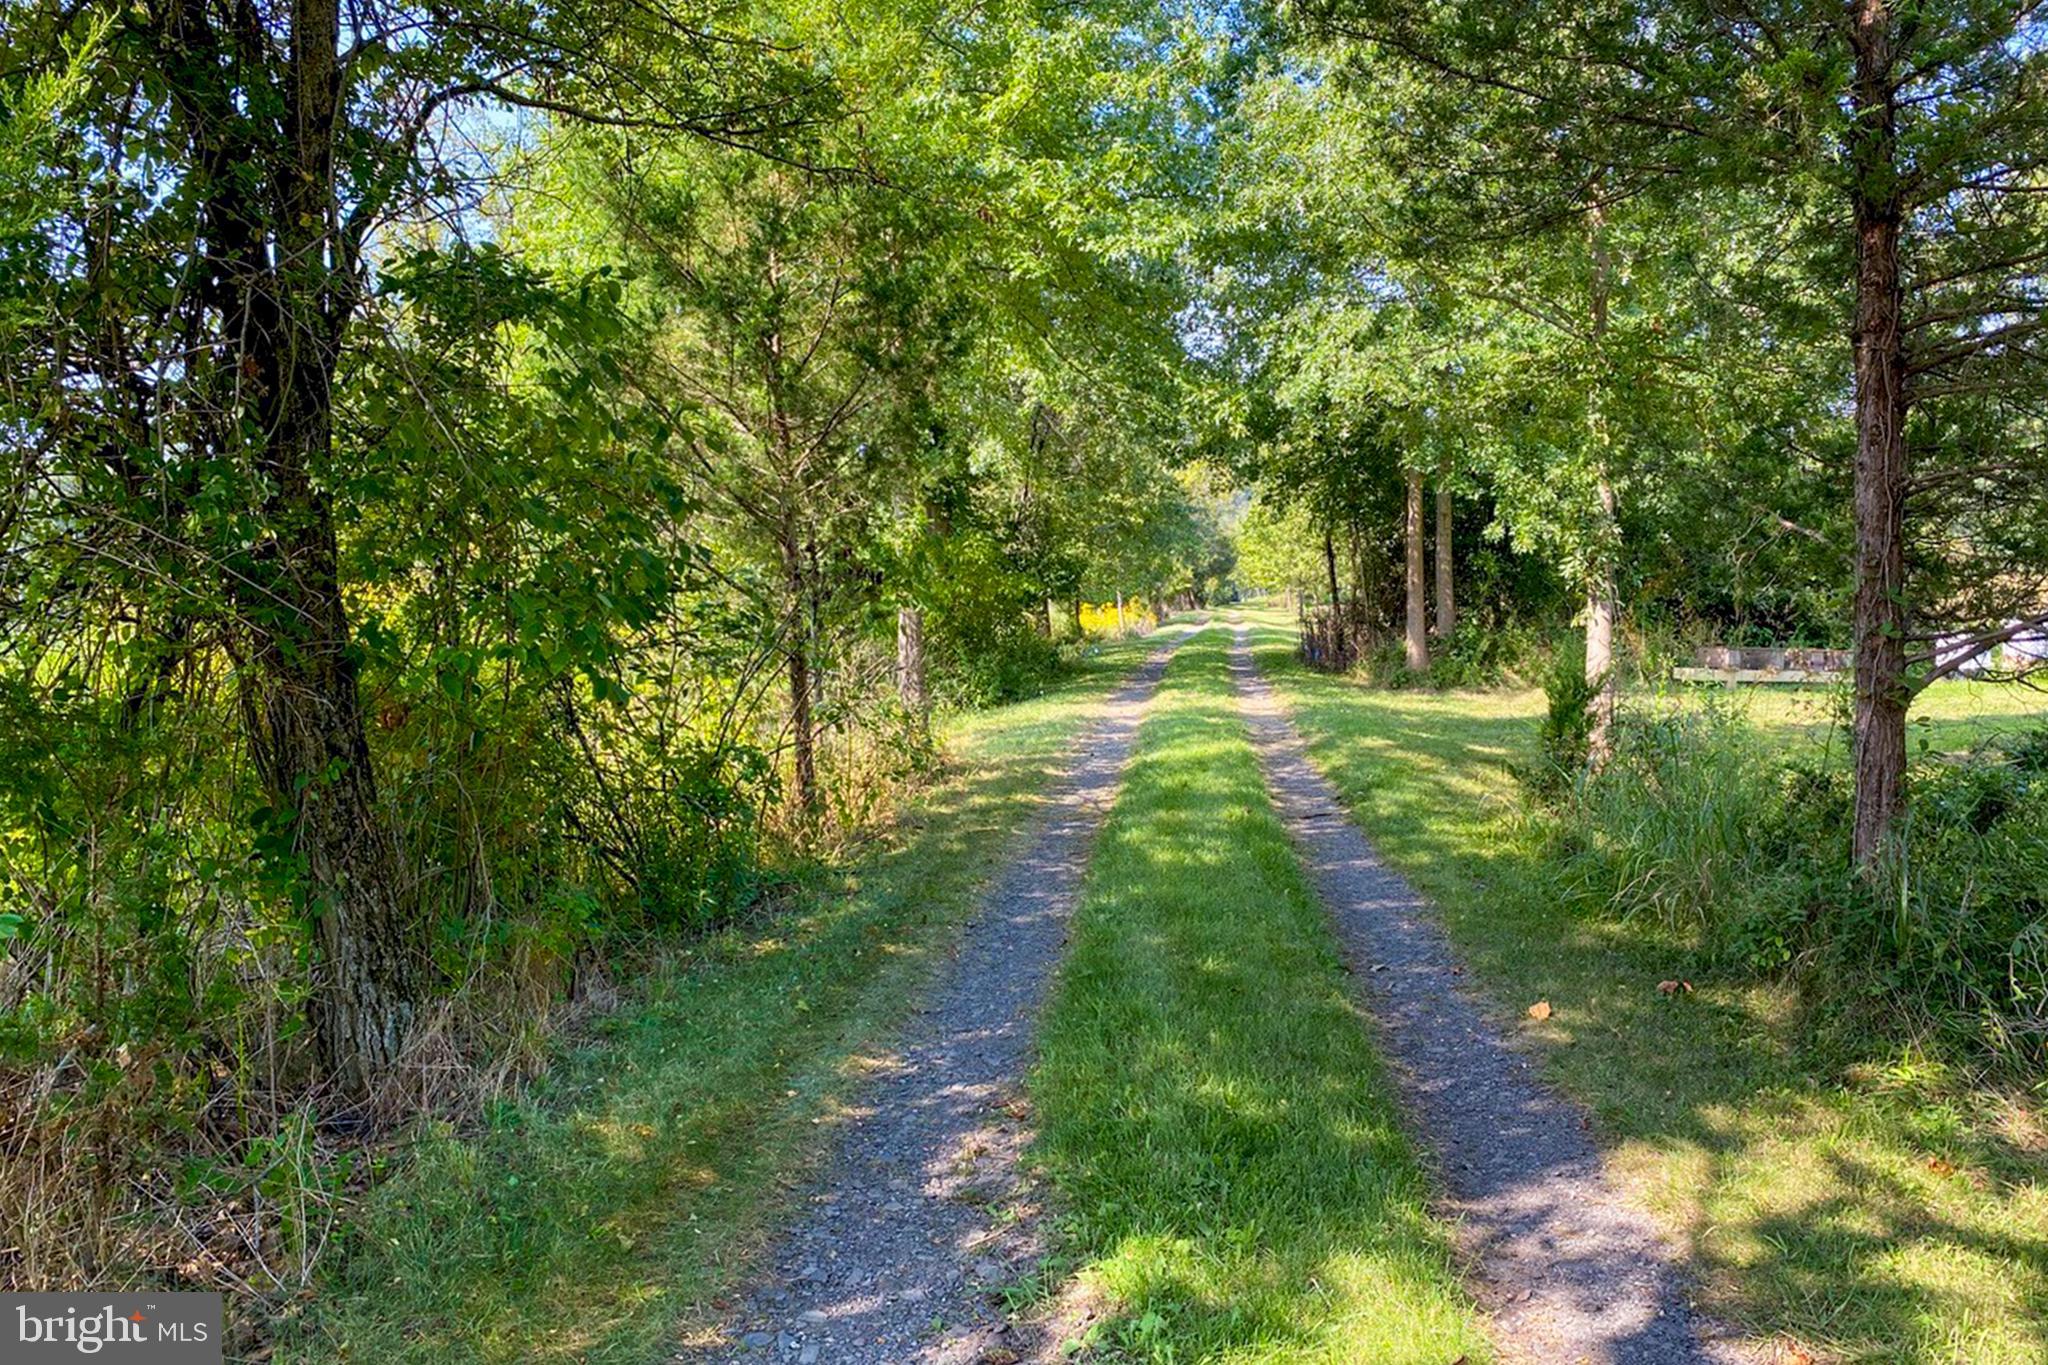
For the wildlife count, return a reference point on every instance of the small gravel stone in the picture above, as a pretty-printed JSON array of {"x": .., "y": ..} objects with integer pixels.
[
  {"x": 1569, "y": 1267},
  {"x": 939, "y": 1115}
]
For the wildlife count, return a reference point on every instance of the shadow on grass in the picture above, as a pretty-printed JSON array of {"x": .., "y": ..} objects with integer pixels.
[
  {"x": 592, "y": 1212},
  {"x": 1233, "y": 1178},
  {"x": 1823, "y": 1191}
]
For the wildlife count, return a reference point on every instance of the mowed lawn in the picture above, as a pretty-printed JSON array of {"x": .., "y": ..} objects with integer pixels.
[
  {"x": 1869, "y": 1205},
  {"x": 595, "y": 1215},
  {"x": 1231, "y": 1176},
  {"x": 1949, "y": 716}
]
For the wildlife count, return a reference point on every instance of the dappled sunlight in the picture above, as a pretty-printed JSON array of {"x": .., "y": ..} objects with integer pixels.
[
  {"x": 1229, "y": 1165},
  {"x": 1816, "y": 1196}
]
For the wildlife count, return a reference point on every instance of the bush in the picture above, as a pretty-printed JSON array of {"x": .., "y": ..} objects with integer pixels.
[
  {"x": 1698, "y": 823},
  {"x": 1567, "y": 734},
  {"x": 1964, "y": 917},
  {"x": 1488, "y": 655},
  {"x": 984, "y": 636},
  {"x": 1677, "y": 825},
  {"x": 1476, "y": 655}
]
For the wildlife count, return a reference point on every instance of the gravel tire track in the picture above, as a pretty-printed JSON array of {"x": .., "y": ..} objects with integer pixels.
[
  {"x": 1569, "y": 1269},
  {"x": 923, "y": 1212}
]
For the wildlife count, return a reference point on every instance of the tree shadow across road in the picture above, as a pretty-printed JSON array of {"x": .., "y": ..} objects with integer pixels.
[
  {"x": 1232, "y": 1175},
  {"x": 1860, "y": 1202}
]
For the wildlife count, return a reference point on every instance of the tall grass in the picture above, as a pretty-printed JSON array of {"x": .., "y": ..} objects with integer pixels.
[
  {"x": 1684, "y": 823},
  {"x": 1704, "y": 824}
]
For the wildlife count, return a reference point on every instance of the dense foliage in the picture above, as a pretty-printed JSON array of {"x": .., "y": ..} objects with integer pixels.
[
  {"x": 492, "y": 487},
  {"x": 488, "y": 485}
]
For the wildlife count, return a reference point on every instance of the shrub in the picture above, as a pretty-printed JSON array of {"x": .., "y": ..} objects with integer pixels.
[
  {"x": 1567, "y": 734},
  {"x": 1677, "y": 825},
  {"x": 1484, "y": 654},
  {"x": 1698, "y": 823},
  {"x": 1476, "y": 655}
]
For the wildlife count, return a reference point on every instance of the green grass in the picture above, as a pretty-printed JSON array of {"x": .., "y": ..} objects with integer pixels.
[
  {"x": 594, "y": 1217},
  {"x": 1948, "y": 717},
  {"x": 1232, "y": 1178},
  {"x": 1867, "y": 1202}
]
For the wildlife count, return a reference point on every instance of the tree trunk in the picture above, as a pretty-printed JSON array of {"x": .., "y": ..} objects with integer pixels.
[
  {"x": 910, "y": 683},
  {"x": 302, "y": 705},
  {"x": 1605, "y": 547},
  {"x": 1330, "y": 563},
  {"x": 1120, "y": 628},
  {"x": 1418, "y": 605},
  {"x": 1446, "y": 586},
  {"x": 814, "y": 610},
  {"x": 1881, "y": 406},
  {"x": 803, "y": 743},
  {"x": 307, "y": 732},
  {"x": 1600, "y": 611}
]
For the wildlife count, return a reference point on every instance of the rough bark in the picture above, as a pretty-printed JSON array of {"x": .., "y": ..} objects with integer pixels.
[
  {"x": 1446, "y": 585},
  {"x": 1881, "y": 403},
  {"x": 910, "y": 673},
  {"x": 1417, "y": 585},
  {"x": 1330, "y": 564},
  {"x": 302, "y": 704},
  {"x": 1121, "y": 629},
  {"x": 1600, "y": 612}
]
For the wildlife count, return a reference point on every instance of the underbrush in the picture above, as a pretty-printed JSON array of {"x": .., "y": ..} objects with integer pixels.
[
  {"x": 161, "y": 1119},
  {"x": 1477, "y": 655},
  {"x": 1705, "y": 825}
]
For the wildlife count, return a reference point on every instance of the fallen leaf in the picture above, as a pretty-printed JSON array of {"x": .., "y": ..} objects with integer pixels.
[
  {"x": 1940, "y": 1167},
  {"x": 1795, "y": 1355},
  {"x": 1540, "y": 1010}
]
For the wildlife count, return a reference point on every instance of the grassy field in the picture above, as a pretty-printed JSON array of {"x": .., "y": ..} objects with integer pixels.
[
  {"x": 1232, "y": 1179},
  {"x": 1865, "y": 1203},
  {"x": 1947, "y": 717},
  {"x": 594, "y": 1217}
]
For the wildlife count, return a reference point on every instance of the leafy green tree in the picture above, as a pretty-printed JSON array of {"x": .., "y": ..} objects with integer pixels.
[
  {"x": 203, "y": 297},
  {"x": 1903, "y": 140}
]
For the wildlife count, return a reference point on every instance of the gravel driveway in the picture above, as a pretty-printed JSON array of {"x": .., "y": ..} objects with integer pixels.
[{"x": 922, "y": 1213}]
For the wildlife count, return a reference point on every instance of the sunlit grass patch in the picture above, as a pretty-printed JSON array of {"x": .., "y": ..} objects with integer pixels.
[
  {"x": 1868, "y": 1204},
  {"x": 1232, "y": 1178},
  {"x": 594, "y": 1217}
]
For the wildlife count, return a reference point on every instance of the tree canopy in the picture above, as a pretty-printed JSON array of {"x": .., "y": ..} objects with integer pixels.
[{"x": 487, "y": 481}]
